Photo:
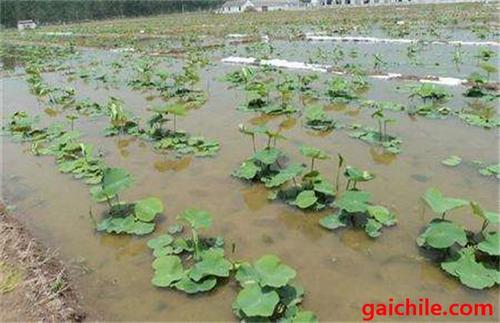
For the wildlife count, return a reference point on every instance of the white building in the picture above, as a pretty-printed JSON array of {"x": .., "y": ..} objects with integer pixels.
[
  {"x": 271, "y": 5},
  {"x": 258, "y": 5},
  {"x": 26, "y": 24}
]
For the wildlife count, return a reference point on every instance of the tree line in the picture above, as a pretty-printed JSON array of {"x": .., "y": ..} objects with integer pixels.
[{"x": 61, "y": 11}]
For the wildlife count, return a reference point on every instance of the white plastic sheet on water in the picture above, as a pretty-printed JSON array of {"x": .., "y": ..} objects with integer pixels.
[{"x": 282, "y": 63}]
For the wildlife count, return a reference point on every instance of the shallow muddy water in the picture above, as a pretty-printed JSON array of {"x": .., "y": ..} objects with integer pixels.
[{"x": 339, "y": 270}]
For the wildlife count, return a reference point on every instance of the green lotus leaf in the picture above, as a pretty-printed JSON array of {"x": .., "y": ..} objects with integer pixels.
[
  {"x": 304, "y": 317},
  {"x": 291, "y": 294},
  {"x": 353, "y": 201},
  {"x": 175, "y": 228},
  {"x": 253, "y": 301},
  {"x": 268, "y": 156},
  {"x": 273, "y": 272},
  {"x": 313, "y": 152},
  {"x": 285, "y": 175},
  {"x": 125, "y": 225},
  {"x": 175, "y": 109},
  {"x": 168, "y": 270},
  {"x": 146, "y": 209},
  {"x": 324, "y": 187},
  {"x": 160, "y": 241},
  {"x": 491, "y": 170},
  {"x": 358, "y": 175},
  {"x": 331, "y": 222},
  {"x": 115, "y": 180},
  {"x": 452, "y": 161},
  {"x": 440, "y": 204},
  {"x": 247, "y": 170},
  {"x": 212, "y": 263},
  {"x": 163, "y": 251},
  {"x": 247, "y": 274},
  {"x": 373, "y": 227},
  {"x": 442, "y": 235},
  {"x": 491, "y": 217},
  {"x": 198, "y": 219},
  {"x": 180, "y": 245},
  {"x": 469, "y": 271},
  {"x": 491, "y": 244},
  {"x": 382, "y": 215},
  {"x": 191, "y": 287},
  {"x": 305, "y": 199}
]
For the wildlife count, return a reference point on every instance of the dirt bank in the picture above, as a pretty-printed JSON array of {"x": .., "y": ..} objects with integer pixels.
[{"x": 34, "y": 283}]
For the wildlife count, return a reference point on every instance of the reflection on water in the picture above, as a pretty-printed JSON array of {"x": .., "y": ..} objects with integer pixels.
[
  {"x": 177, "y": 165},
  {"x": 255, "y": 196},
  {"x": 287, "y": 124},
  {"x": 380, "y": 156}
]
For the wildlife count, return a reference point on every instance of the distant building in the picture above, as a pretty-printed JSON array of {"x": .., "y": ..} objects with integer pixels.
[
  {"x": 26, "y": 24},
  {"x": 271, "y": 5},
  {"x": 258, "y": 5},
  {"x": 236, "y": 6}
]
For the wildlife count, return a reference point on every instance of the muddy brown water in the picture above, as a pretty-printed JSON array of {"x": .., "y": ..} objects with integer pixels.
[{"x": 339, "y": 270}]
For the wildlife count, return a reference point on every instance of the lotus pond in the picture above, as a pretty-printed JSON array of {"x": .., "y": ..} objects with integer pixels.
[{"x": 289, "y": 172}]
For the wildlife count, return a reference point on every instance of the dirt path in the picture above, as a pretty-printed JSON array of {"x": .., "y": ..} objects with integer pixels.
[{"x": 34, "y": 284}]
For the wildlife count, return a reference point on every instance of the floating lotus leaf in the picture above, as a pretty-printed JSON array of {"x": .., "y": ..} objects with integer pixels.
[
  {"x": 442, "y": 234},
  {"x": 146, "y": 209},
  {"x": 491, "y": 244},
  {"x": 268, "y": 156},
  {"x": 253, "y": 301},
  {"x": 315, "y": 113},
  {"x": 168, "y": 270},
  {"x": 291, "y": 294},
  {"x": 353, "y": 201},
  {"x": 440, "y": 204},
  {"x": 247, "y": 170},
  {"x": 305, "y": 199},
  {"x": 191, "y": 287},
  {"x": 175, "y": 228},
  {"x": 471, "y": 273},
  {"x": 247, "y": 274},
  {"x": 125, "y": 225},
  {"x": 273, "y": 272},
  {"x": 332, "y": 222},
  {"x": 452, "y": 161},
  {"x": 382, "y": 215},
  {"x": 160, "y": 241},
  {"x": 493, "y": 217},
  {"x": 198, "y": 219},
  {"x": 372, "y": 228},
  {"x": 285, "y": 175},
  {"x": 324, "y": 187},
  {"x": 305, "y": 317},
  {"x": 491, "y": 170},
  {"x": 358, "y": 175},
  {"x": 313, "y": 152},
  {"x": 212, "y": 263},
  {"x": 175, "y": 109}
]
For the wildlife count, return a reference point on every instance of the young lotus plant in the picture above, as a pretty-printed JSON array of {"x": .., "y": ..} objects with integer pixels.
[
  {"x": 472, "y": 257},
  {"x": 130, "y": 218},
  {"x": 355, "y": 209},
  {"x": 317, "y": 119},
  {"x": 265, "y": 162},
  {"x": 312, "y": 191},
  {"x": 268, "y": 292},
  {"x": 192, "y": 265}
]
